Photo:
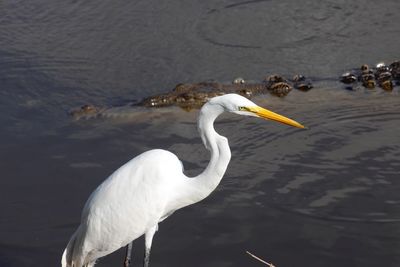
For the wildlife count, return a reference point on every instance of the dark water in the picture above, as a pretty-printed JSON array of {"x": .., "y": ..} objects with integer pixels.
[{"x": 328, "y": 196}]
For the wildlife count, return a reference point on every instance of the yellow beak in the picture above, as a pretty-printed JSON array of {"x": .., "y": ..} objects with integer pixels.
[{"x": 266, "y": 114}]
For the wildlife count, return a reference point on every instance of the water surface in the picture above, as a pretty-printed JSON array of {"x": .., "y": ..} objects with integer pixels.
[{"x": 327, "y": 196}]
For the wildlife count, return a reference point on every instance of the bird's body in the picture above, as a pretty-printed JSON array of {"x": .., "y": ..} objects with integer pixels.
[
  {"x": 149, "y": 188},
  {"x": 108, "y": 223}
]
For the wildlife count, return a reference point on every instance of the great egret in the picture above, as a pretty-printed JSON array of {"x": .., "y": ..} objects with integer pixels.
[{"x": 150, "y": 187}]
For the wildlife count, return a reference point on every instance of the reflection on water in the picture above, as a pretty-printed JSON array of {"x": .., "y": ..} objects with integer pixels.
[{"x": 327, "y": 196}]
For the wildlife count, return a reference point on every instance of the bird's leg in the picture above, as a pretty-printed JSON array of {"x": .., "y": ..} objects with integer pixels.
[
  {"x": 148, "y": 236},
  {"x": 146, "y": 257},
  {"x": 128, "y": 254}
]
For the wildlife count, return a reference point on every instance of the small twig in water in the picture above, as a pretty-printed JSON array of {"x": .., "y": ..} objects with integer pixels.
[{"x": 261, "y": 260}]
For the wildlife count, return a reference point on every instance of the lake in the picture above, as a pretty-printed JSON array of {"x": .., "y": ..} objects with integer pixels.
[{"x": 326, "y": 196}]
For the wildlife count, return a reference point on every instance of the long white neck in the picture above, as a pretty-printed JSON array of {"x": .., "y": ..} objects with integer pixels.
[{"x": 203, "y": 184}]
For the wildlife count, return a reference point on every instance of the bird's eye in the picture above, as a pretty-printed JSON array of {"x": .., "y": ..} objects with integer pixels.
[{"x": 243, "y": 109}]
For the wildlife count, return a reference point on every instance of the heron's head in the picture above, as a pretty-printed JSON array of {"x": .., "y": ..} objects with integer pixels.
[{"x": 242, "y": 106}]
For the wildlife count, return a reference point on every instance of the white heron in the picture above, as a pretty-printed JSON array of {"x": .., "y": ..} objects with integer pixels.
[{"x": 146, "y": 190}]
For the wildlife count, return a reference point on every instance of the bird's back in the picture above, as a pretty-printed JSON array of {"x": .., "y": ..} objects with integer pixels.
[{"x": 125, "y": 205}]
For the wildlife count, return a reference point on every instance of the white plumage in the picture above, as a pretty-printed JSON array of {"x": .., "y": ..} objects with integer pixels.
[{"x": 150, "y": 187}]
